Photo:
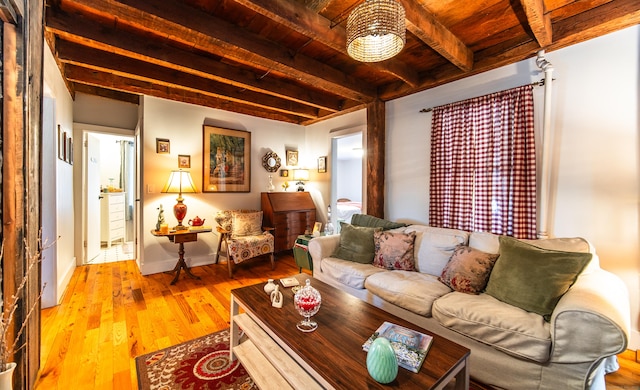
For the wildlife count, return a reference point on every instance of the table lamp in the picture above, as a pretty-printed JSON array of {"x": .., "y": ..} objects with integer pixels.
[
  {"x": 301, "y": 175},
  {"x": 179, "y": 182}
]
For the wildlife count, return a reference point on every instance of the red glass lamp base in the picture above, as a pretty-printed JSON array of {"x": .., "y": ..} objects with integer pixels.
[{"x": 180, "y": 212}]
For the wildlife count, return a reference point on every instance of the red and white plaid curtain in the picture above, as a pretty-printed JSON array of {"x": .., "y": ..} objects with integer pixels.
[{"x": 483, "y": 164}]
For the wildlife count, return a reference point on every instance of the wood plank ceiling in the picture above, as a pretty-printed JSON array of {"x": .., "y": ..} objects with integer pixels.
[{"x": 286, "y": 59}]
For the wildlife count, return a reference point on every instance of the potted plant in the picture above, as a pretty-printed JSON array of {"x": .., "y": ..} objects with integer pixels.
[{"x": 7, "y": 347}]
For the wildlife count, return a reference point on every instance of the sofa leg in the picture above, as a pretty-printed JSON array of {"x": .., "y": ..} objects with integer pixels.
[
  {"x": 273, "y": 261},
  {"x": 230, "y": 266}
]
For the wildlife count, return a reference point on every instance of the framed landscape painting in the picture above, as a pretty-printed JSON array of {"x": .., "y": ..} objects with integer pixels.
[{"x": 227, "y": 160}]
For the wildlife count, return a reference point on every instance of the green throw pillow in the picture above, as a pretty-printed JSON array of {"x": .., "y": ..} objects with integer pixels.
[
  {"x": 371, "y": 221},
  {"x": 356, "y": 243},
  {"x": 532, "y": 278}
]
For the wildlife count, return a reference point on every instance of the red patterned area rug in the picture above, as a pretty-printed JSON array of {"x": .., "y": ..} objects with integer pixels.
[{"x": 198, "y": 364}]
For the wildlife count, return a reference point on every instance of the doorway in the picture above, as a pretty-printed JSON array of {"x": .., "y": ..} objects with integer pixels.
[
  {"x": 109, "y": 183},
  {"x": 348, "y": 181}
]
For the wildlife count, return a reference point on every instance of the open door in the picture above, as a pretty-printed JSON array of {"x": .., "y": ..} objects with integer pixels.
[{"x": 93, "y": 196}]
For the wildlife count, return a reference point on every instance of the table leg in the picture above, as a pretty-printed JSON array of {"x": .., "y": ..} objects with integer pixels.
[
  {"x": 234, "y": 329},
  {"x": 182, "y": 265},
  {"x": 462, "y": 377}
]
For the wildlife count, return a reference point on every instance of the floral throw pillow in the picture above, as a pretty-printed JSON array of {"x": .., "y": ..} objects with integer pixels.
[
  {"x": 247, "y": 224},
  {"x": 468, "y": 270},
  {"x": 394, "y": 251}
]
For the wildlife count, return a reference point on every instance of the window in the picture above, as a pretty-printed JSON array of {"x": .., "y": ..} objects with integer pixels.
[{"x": 483, "y": 173}]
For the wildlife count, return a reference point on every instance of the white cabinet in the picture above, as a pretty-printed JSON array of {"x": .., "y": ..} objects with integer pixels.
[{"x": 112, "y": 217}]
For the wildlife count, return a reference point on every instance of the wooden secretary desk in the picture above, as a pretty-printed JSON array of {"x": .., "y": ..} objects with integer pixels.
[{"x": 290, "y": 214}]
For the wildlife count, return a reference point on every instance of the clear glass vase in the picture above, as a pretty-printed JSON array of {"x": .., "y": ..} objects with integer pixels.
[{"x": 307, "y": 301}]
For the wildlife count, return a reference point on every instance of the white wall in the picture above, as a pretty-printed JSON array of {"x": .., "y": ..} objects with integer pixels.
[
  {"x": 183, "y": 124},
  {"x": 96, "y": 110},
  {"x": 59, "y": 260},
  {"x": 595, "y": 148}
]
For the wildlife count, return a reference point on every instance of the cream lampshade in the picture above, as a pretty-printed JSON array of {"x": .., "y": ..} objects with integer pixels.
[
  {"x": 301, "y": 175},
  {"x": 179, "y": 182}
]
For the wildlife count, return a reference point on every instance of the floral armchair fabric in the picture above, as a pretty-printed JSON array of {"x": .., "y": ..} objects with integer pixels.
[{"x": 243, "y": 236}]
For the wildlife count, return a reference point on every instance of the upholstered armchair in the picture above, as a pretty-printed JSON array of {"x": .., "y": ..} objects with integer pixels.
[{"x": 243, "y": 237}]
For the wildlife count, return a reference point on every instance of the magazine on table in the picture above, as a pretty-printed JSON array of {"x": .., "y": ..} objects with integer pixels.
[{"x": 410, "y": 346}]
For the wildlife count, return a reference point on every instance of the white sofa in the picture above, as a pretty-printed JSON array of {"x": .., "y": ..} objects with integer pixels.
[{"x": 510, "y": 348}]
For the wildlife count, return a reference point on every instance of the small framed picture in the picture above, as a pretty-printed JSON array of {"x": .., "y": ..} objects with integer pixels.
[
  {"x": 284, "y": 173},
  {"x": 162, "y": 145},
  {"x": 70, "y": 151},
  {"x": 316, "y": 228},
  {"x": 184, "y": 161},
  {"x": 65, "y": 147},
  {"x": 60, "y": 143},
  {"x": 322, "y": 164},
  {"x": 292, "y": 158}
]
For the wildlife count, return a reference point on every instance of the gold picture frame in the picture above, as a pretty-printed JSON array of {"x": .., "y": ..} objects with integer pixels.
[
  {"x": 322, "y": 164},
  {"x": 292, "y": 158},
  {"x": 162, "y": 146},
  {"x": 184, "y": 161},
  {"x": 226, "y": 155}
]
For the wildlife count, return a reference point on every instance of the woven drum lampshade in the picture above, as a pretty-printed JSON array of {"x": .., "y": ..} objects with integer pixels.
[{"x": 376, "y": 30}]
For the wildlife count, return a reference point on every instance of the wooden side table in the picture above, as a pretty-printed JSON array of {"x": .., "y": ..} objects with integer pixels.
[{"x": 180, "y": 237}]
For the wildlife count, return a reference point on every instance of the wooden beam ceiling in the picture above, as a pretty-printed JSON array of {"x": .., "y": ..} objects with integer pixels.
[{"x": 286, "y": 59}]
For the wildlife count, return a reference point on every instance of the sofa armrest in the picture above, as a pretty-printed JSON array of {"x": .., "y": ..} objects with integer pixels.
[
  {"x": 322, "y": 247},
  {"x": 592, "y": 320}
]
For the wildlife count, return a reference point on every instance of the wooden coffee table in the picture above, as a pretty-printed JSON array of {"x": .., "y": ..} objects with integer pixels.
[{"x": 277, "y": 355}]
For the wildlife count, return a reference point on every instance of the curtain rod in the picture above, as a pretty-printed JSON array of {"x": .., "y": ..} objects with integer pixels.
[{"x": 539, "y": 83}]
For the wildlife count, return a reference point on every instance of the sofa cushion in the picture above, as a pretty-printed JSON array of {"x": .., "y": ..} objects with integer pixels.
[
  {"x": 434, "y": 247},
  {"x": 468, "y": 270},
  {"x": 365, "y": 220},
  {"x": 246, "y": 224},
  {"x": 490, "y": 321},
  {"x": 533, "y": 278},
  {"x": 394, "y": 250},
  {"x": 348, "y": 272},
  {"x": 409, "y": 290},
  {"x": 356, "y": 243}
]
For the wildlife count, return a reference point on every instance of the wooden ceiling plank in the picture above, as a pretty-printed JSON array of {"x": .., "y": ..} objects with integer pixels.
[
  {"x": 539, "y": 21},
  {"x": 448, "y": 73},
  {"x": 135, "y": 69},
  {"x": 426, "y": 27},
  {"x": 107, "y": 93},
  {"x": 111, "y": 81},
  {"x": 609, "y": 17},
  {"x": 302, "y": 19},
  {"x": 222, "y": 38},
  {"x": 123, "y": 43}
]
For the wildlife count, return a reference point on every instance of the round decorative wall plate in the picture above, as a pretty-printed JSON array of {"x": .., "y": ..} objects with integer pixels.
[{"x": 271, "y": 162}]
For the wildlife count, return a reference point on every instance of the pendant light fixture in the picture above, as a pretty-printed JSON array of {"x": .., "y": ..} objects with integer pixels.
[{"x": 376, "y": 30}]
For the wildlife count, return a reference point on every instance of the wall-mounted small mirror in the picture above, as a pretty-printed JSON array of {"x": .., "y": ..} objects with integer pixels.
[{"x": 271, "y": 162}]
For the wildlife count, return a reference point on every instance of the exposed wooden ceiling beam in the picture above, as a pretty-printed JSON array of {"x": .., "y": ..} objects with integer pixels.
[
  {"x": 591, "y": 24},
  {"x": 124, "y": 43},
  {"x": 138, "y": 70},
  {"x": 539, "y": 21},
  {"x": 224, "y": 39},
  {"x": 107, "y": 93},
  {"x": 111, "y": 81},
  {"x": 427, "y": 28},
  {"x": 302, "y": 19}
]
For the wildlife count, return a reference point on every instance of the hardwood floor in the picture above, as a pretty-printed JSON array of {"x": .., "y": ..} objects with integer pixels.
[{"x": 111, "y": 313}]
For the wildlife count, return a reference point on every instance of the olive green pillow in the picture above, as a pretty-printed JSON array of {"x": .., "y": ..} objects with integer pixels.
[
  {"x": 356, "y": 243},
  {"x": 532, "y": 278},
  {"x": 366, "y": 220}
]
